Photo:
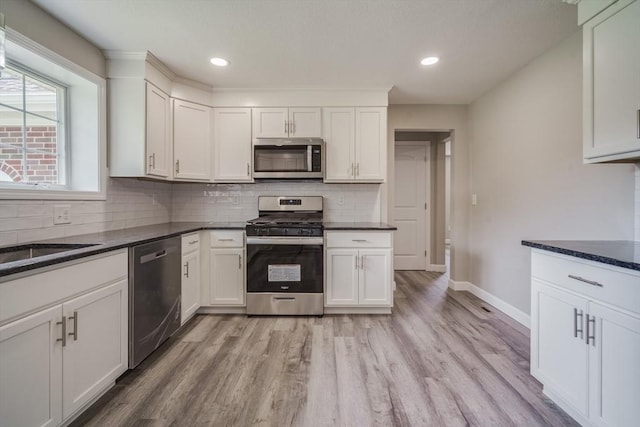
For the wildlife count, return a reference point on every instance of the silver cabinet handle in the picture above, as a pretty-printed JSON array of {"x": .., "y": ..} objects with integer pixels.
[
  {"x": 638, "y": 124},
  {"x": 154, "y": 160},
  {"x": 356, "y": 259},
  {"x": 225, "y": 240},
  {"x": 151, "y": 161},
  {"x": 286, "y": 127},
  {"x": 292, "y": 127},
  {"x": 64, "y": 331},
  {"x": 178, "y": 166},
  {"x": 248, "y": 169},
  {"x": 193, "y": 242},
  {"x": 577, "y": 330},
  {"x": 591, "y": 330},
  {"x": 582, "y": 279},
  {"x": 359, "y": 240},
  {"x": 239, "y": 262},
  {"x": 186, "y": 270},
  {"x": 358, "y": 169},
  {"x": 74, "y": 334},
  {"x": 362, "y": 262}
]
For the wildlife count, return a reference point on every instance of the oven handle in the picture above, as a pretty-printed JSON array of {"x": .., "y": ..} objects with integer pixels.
[{"x": 285, "y": 240}]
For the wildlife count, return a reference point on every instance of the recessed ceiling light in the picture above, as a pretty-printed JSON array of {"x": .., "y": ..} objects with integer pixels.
[
  {"x": 430, "y": 60},
  {"x": 220, "y": 62}
]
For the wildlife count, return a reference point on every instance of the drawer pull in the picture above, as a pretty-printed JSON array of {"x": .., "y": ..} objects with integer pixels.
[
  {"x": 225, "y": 240},
  {"x": 63, "y": 324},
  {"x": 359, "y": 240},
  {"x": 582, "y": 279},
  {"x": 193, "y": 242},
  {"x": 74, "y": 334}
]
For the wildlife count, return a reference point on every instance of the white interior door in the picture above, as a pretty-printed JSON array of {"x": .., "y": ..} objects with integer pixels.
[{"x": 410, "y": 209}]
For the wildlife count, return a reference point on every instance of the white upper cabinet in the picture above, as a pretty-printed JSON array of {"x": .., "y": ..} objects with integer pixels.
[
  {"x": 191, "y": 141},
  {"x": 299, "y": 122},
  {"x": 611, "y": 79},
  {"x": 232, "y": 144},
  {"x": 157, "y": 130},
  {"x": 356, "y": 144}
]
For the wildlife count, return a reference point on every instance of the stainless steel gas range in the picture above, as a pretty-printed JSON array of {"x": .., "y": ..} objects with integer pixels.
[{"x": 285, "y": 257}]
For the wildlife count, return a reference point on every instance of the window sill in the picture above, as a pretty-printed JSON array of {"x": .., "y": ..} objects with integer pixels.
[{"x": 38, "y": 194}]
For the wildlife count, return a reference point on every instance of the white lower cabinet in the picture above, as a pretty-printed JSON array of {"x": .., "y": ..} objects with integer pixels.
[
  {"x": 226, "y": 268},
  {"x": 358, "y": 269},
  {"x": 190, "y": 295},
  {"x": 585, "y": 338},
  {"x": 57, "y": 360},
  {"x": 31, "y": 370}
]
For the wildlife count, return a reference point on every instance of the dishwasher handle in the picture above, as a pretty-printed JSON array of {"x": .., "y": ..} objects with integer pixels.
[{"x": 152, "y": 257}]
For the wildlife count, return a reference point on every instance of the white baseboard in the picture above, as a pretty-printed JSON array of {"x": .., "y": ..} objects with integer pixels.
[
  {"x": 438, "y": 268},
  {"x": 516, "y": 314},
  {"x": 357, "y": 310},
  {"x": 222, "y": 310}
]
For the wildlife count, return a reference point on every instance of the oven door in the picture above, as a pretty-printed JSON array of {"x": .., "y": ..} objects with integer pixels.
[{"x": 285, "y": 264}]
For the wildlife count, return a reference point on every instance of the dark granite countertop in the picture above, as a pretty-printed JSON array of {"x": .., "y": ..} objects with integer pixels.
[
  {"x": 112, "y": 240},
  {"x": 358, "y": 226},
  {"x": 621, "y": 253}
]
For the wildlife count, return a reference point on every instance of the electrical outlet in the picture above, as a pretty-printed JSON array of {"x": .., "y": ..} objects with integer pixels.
[{"x": 62, "y": 214}]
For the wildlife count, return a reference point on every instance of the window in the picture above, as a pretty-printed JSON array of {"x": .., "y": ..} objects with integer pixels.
[
  {"x": 32, "y": 143},
  {"x": 52, "y": 126}
]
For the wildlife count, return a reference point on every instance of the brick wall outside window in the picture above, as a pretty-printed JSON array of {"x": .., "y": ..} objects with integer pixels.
[{"x": 42, "y": 165}]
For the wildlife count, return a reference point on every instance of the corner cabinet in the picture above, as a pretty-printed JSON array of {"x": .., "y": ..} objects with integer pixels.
[
  {"x": 358, "y": 270},
  {"x": 585, "y": 337},
  {"x": 611, "y": 84},
  {"x": 298, "y": 122},
  {"x": 191, "y": 141},
  {"x": 356, "y": 144},
  {"x": 232, "y": 144},
  {"x": 190, "y": 295},
  {"x": 62, "y": 343}
]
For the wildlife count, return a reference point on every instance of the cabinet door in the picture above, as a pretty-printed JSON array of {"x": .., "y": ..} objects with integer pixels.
[
  {"x": 191, "y": 141},
  {"x": 375, "y": 277},
  {"x": 614, "y": 371},
  {"x": 371, "y": 144},
  {"x": 558, "y": 357},
  {"x": 31, "y": 370},
  {"x": 232, "y": 144},
  {"x": 157, "y": 131},
  {"x": 342, "y": 277},
  {"x": 270, "y": 122},
  {"x": 190, "y": 298},
  {"x": 226, "y": 279},
  {"x": 305, "y": 122},
  {"x": 97, "y": 339},
  {"x": 339, "y": 137},
  {"x": 612, "y": 83}
]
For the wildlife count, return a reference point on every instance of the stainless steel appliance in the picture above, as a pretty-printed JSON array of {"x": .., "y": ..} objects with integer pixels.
[
  {"x": 297, "y": 158},
  {"x": 154, "y": 296},
  {"x": 285, "y": 257}
]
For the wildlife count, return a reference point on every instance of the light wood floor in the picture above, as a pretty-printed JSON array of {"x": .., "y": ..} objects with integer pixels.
[{"x": 440, "y": 359}]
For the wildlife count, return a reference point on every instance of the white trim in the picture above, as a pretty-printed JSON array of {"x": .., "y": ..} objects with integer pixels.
[
  {"x": 511, "y": 311},
  {"x": 357, "y": 310},
  {"x": 438, "y": 268},
  {"x": 222, "y": 310}
]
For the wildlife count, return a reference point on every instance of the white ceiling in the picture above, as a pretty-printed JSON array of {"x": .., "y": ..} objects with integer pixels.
[{"x": 331, "y": 43}]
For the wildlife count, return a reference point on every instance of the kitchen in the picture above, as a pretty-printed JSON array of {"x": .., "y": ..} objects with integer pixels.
[{"x": 518, "y": 147}]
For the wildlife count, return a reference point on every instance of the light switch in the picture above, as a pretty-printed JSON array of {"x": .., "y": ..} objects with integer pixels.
[
  {"x": 474, "y": 199},
  {"x": 62, "y": 214}
]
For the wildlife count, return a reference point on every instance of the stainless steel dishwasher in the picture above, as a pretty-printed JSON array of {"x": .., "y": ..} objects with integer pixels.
[{"x": 154, "y": 296}]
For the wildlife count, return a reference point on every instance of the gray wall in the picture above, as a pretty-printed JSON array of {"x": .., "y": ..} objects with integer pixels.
[{"x": 527, "y": 171}]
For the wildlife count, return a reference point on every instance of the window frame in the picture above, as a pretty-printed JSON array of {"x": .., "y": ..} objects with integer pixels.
[
  {"x": 75, "y": 189},
  {"x": 62, "y": 131}
]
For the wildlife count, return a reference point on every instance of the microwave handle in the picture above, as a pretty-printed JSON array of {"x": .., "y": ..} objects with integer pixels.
[{"x": 309, "y": 158}]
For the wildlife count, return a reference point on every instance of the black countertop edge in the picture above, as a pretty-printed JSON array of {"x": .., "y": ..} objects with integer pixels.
[
  {"x": 110, "y": 241},
  {"x": 619, "y": 253},
  {"x": 359, "y": 226}
]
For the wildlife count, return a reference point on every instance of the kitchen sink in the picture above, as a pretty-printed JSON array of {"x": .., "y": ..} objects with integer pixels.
[{"x": 34, "y": 250}]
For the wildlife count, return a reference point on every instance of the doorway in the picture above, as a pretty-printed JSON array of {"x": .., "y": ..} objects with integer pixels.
[{"x": 420, "y": 207}]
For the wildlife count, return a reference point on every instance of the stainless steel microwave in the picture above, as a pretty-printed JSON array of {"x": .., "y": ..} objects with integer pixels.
[{"x": 288, "y": 158}]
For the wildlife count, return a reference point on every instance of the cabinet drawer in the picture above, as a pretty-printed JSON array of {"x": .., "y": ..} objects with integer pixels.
[
  {"x": 620, "y": 287},
  {"x": 367, "y": 239},
  {"x": 190, "y": 242},
  {"x": 227, "y": 239}
]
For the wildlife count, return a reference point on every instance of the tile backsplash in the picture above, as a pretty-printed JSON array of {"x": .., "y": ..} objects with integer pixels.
[
  {"x": 129, "y": 203},
  {"x": 239, "y": 202}
]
